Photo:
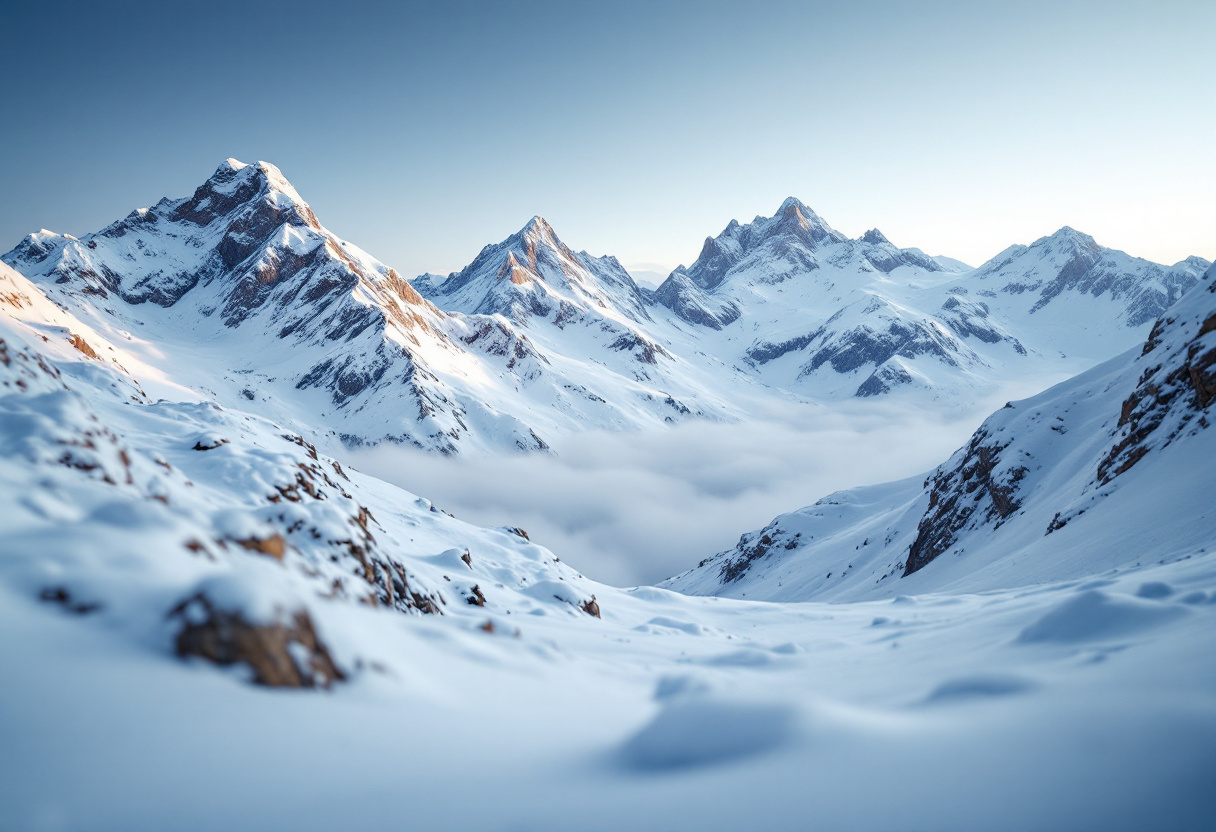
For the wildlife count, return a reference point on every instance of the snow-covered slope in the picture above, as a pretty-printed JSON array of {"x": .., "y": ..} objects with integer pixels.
[
  {"x": 1105, "y": 470},
  {"x": 160, "y": 553},
  {"x": 210, "y": 503}
]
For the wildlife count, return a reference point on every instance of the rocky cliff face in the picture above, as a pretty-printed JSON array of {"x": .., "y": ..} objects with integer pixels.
[{"x": 1176, "y": 387}]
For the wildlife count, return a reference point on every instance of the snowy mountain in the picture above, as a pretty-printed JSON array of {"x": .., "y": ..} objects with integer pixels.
[
  {"x": 240, "y": 294},
  {"x": 805, "y": 308},
  {"x": 1096, "y": 473},
  {"x": 534, "y": 274},
  {"x": 585, "y": 315}
]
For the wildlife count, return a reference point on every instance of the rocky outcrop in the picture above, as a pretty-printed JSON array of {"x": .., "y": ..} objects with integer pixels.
[
  {"x": 284, "y": 652},
  {"x": 852, "y": 349},
  {"x": 753, "y": 547},
  {"x": 977, "y": 484},
  {"x": 1174, "y": 392}
]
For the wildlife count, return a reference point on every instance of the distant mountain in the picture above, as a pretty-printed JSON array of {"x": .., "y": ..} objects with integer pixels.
[
  {"x": 534, "y": 274},
  {"x": 1104, "y": 470},
  {"x": 808, "y": 309},
  {"x": 1055, "y": 275}
]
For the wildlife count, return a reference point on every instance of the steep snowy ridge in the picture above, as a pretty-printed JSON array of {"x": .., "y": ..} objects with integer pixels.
[{"x": 1080, "y": 478}]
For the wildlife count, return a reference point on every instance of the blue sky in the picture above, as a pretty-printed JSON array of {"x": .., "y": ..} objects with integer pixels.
[{"x": 423, "y": 131}]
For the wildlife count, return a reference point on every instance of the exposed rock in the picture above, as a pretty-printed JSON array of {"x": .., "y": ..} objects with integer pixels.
[
  {"x": 275, "y": 546},
  {"x": 83, "y": 345},
  {"x": 283, "y": 653},
  {"x": 958, "y": 490},
  {"x": 681, "y": 295},
  {"x": 1170, "y": 398},
  {"x": 208, "y": 444}
]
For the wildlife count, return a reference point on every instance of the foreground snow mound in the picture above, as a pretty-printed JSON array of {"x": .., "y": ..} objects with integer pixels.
[{"x": 1098, "y": 471}]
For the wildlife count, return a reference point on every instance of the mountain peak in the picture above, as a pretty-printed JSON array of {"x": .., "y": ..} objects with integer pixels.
[
  {"x": 236, "y": 184},
  {"x": 875, "y": 237},
  {"x": 1069, "y": 234},
  {"x": 795, "y": 215},
  {"x": 793, "y": 212},
  {"x": 538, "y": 223},
  {"x": 538, "y": 230}
]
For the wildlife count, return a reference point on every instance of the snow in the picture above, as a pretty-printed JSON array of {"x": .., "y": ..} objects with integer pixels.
[{"x": 1020, "y": 680}]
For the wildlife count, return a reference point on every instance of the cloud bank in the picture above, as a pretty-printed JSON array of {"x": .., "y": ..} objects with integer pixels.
[{"x": 635, "y": 508}]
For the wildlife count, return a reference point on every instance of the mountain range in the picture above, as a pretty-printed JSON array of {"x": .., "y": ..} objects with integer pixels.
[{"x": 238, "y": 294}]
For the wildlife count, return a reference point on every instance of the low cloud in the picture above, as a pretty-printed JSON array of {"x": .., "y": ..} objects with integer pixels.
[{"x": 635, "y": 508}]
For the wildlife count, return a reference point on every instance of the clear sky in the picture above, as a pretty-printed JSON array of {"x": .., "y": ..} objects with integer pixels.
[{"x": 422, "y": 131}]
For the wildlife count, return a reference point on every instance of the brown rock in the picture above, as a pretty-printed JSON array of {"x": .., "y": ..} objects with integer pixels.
[
  {"x": 83, "y": 345},
  {"x": 590, "y": 607},
  {"x": 275, "y": 545},
  {"x": 478, "y": 598},
  {"x": 226, "y": 638}
]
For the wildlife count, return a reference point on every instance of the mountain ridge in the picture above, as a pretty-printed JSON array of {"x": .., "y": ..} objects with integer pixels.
[{"x": 533, "y": 339}]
